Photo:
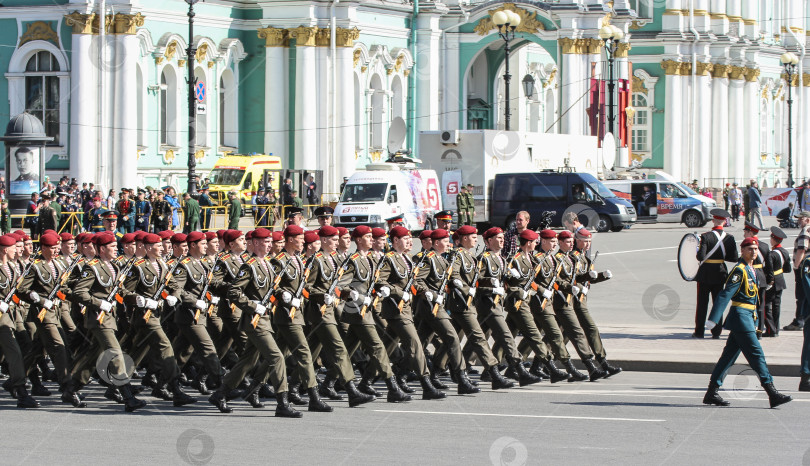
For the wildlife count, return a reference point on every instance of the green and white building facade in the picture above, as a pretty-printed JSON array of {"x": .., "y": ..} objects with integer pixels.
[{"x": 318, "y": 82}]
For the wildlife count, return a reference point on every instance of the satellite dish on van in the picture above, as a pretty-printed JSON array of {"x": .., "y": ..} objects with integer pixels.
[
  {"x": 396, "y": 135},
  {"x": 609, "y": 151}
]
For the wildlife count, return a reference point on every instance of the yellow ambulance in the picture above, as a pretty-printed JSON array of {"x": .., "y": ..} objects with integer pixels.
[{"x": 242, "y": 173}]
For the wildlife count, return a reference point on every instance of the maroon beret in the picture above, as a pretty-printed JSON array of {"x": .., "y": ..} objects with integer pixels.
[
  {"x": 466, "y": 230},
  {"x": 328, "y": 230},
  {"x": 140, "y": 235},
  {"x": 425, "y": 234},
  {"x": 104, "y": 238},
  {"x": 343, "y": 231},
  {"x": 750, "y": 241},
  {"x": 311, "y": 237},
  {"x": 231, "y": 235},
  {"x": 165, "y": 234},
  {"x": 399, "y": 232},
  {"x": 249, "y": 235},
  {"x": 88, "y": 238},
  {"x": 494, "y": 231},
  {"x": 548, "y": 234},
  {"x": 293, "y": 230},
  {"x": 262, "y": 233},
  {"x": 128, "y": 238},
  {"x": 583, "y": 234},
  {"x": 151, "y": 238},
  {"x": 528, "y": 235},
  {"x": 178, "y": 238},
  {"x": 278, "y": 236},
  {"x": 49, "y": 239},
  {"x": 8, "y": 240},
  {"x": 565, "y": 234},
  {"x": 221, "y": 233},
  {"x": 360, "y": 231},
  {"x": 195, "y": 236},
  {"x": 209, "y": 235},
  {"x": 441, "y": 233},
  {"x": 377, "y": 232},
  {"x": 66, "y": 236}
]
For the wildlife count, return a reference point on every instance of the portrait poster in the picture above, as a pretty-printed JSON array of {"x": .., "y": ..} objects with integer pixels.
[{"x": 24, "y": 170}]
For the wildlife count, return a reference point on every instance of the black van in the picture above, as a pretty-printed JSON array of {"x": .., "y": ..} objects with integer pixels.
[{"x": 597, "y": 206}]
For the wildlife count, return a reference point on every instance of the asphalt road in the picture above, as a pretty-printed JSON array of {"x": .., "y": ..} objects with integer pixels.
[{"x": 649, "y": 418}]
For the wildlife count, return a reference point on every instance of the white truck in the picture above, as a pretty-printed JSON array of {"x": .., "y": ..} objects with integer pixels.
[
  {"x": 384, "y": 190},
  {"x": 476, "y": 156}
]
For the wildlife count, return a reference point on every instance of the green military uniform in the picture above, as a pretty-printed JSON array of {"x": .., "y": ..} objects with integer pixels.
[
  {"x": 461, "y": 205},
  {"x": 584, "y": 266},
  {"x": 191, "y": 214},
  {"x": 564, "y": 310},
  {"x": 225, "y": 273},
  {"x": 470, "y": 213},
  {"x": 234, "y": 214},
  {"x": 5, "y": 220},
  {"x": 543, "y": 310},
  {"x": 521, "y": 270},
  {"x": 8, "y": 342}
]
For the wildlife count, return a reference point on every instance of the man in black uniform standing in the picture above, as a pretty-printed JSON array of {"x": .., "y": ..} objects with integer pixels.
[
  {"x": 716, "y": 248},
  {"x": 779, "y": 261}
]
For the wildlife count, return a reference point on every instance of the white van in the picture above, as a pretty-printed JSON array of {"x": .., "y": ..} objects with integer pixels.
[
  {"x": 384, "y": 190},
  {"x": 668, "y": 200}
]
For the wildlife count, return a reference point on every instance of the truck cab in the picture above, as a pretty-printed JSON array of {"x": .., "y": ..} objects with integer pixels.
[{"x": 242, "y": 173}]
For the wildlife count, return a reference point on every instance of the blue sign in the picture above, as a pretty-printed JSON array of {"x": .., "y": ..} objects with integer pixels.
[{"x": 199, "y": 91}]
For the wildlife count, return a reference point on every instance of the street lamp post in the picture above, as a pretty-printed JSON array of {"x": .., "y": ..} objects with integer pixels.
[
  {"x": 611, "y": 35},
  {"x": 506, "y": 21},
  {"x": 789, "y": 61},
  {"x": 191, "y": 51}
]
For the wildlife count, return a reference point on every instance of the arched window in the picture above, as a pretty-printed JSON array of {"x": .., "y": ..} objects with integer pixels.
[
  {"x": 642, "y": 124},
  {"x": 228, "y": 134},
  {"x": 42, "y": 92},
  {"x": 168, "y": 107}
]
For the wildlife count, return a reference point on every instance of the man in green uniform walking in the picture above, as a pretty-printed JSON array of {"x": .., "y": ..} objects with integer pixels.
[
  {"x": 235, "y": 212},
  {"x": 191, "y": 214}
]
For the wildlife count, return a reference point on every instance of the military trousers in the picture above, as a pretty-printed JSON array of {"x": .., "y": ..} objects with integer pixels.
[
  {"x": 152, "y": 340},
  {"x": 450, "y": 343},
  {"x": 546, "y": 321},
  {"x": 196, "y": 336},
  {"x": 569, "y": 324},
  {"x": 405, "y": 332},
  {"x": 325, "y": 339},
  {"x": 231, "y": 336},
  {"x": 13, "y": 355},
  {"x": 48, "y": 337},
  {"x": 496, "y": 324},
  {"x": 260, "y": 342},
  {"x": 704, "y": 291},
  {"x": 524, "y": 320},
  {"x": 805, "y": 369},
  {"x": 104, "y": 356},
  {"x": 468, "y": 320},
  {"x": 589, "y": 327},
  {"x": 366, "y": 334},
  {"x": 291, "y": 338},
  {"x": 747, "y": 343},
  {"x": 773, "y": 307}
]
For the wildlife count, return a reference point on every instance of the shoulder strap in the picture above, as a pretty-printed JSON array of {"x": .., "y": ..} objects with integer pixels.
[{"x": 719, "y": 245}]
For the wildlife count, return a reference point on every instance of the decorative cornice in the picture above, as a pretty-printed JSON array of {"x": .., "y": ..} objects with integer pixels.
[
  {"x": 806, "y": 80},
  {"x": 181, "y": 63},
  {"x": 721, "y": 71},
  {"x": 82, "y": 24},
  {"x": 623, "y": 49},
  {"x": 304, "y": 35},
  {"x": 676, "y": 68},
  {"x": 737, "y": 72},
  {"x": 345, "y": 37},
  {"x": 127, "y": 24},
  {"x": 39, "y": 30},
  {"x": 273, "y": 37},
  {"x": 735, "y": 18},
  {"x": 749, "y": 22},
  {"x": 528, "y": 21},
  {"x": 795, "y": 29},
  {"x": 673, "y": 12},
  {"x": 752, "y": 74},
  {"x": 585, "y": 46},
  {"x": 171, "y": 49},
  {"x": 718, "y": 16},
  {"x": 703, "y": 69}
]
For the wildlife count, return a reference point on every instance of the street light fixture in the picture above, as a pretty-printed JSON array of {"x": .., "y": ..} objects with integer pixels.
[
  {"x": 789, "y": 61},
  {"x": 612, "y": 36},
  {"x": 191, "y": 51},
  {"x": 506, "y": 21},
  {"x": 528, "y": 86}
]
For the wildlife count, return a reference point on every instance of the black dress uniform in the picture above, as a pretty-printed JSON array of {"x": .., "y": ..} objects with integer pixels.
[
  {"x": 778, "y": 259},
  {"x": 161, "y": 215},
  {"x": 716, "y": 248}
]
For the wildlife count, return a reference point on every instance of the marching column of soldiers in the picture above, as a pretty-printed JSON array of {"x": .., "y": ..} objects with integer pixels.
[{"x": 293, "y": 315}]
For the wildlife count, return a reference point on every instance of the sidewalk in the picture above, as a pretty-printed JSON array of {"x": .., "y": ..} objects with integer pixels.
[{"x": 671, "y": 349}]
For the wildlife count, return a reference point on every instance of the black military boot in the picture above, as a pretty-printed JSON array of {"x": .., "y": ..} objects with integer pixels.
[
  {"x": 24, "y": 400},
  {"x": 774, "y": 397},
  {"x": 573, "y": 374},
  {"x": 712, "y": 396},
  {"x": 149, "y": 379},
  {"x": 113, "y": 394},
  {"x": 594, "y": 372},
  {"x": 161, "y": 391},
  {"x": 437, "y": 382},
  {"x": 130, "y": 402},
  {"x": 295, "y": 396},
  {"x": 429, "y": 392},
  {"x": 365, "y": 387},
  {"x": 71, "y": 396},
  {"x": 555, "y": 374},
  {"x": 356, "y": 398},
  {"x": 267, "y": 391},
  {"x": 201, "y": 384},
  {"x": 327, "y": 389},
  {"x": 524, "y": 377},
  {"x": 37, "y": 389},
  {"x": 218, "y": 399},
  {"x": 179, "y": 397},
  {"x": 498, "y": 381},
  {"x": 315, "y": 403},
  {"x": 395, "y": 394},
  {"x": 611, "y": 370},
  {"x": 11, "y": 390},
  {"x": 464, "y": 385},
  {"x": 402, "y": 381},
  {"x": 804, "y": 383},
  {"x": 283, "y": 408},
  {"x": 252, "y": 396}
]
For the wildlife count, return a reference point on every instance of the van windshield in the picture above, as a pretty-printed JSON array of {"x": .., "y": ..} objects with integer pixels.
[
  {"x": 372, "y": 192},
  {"x": 226, "y": 176},
  {"x": 601, "y": 189},
  {"x": 687, "y": 189}
]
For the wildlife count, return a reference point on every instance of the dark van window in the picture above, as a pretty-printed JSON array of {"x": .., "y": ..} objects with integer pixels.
[{"x": 546, "y": 192}]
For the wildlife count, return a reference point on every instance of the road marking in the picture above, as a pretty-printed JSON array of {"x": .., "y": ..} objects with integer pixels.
[
  {"x": 636, "y": 250},
  {"x": 533, "y": 416}
]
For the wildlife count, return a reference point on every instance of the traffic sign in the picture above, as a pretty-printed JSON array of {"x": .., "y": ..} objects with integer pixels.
[
  {"x": 201, "y": 109},
  {"x": 199, "y": 91}
]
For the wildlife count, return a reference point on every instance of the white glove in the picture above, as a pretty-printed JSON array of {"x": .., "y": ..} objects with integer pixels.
[
  {"x": 328, "y": 299},
  {"x": 584, "y": 291},
  {"x": 385, "y": 292},
  {"x": 575, "y": 290},
  {"x": 710, "y": 325},
  {"x": 296, "y": 303},
  {"x": 353, "y": 295},
  {"x": 105, "y": 306},
  {"x": 472, "y": 292},
  {"x": 523, "y": 294},
  {"x": 366, "y": 301},
  {"x": 200, "y": 304},
  {"x": 406, "y": 297},
  {"x": 34, "y": 297},
  {"x": 458, "y": 283},
  {"x": 593, "y": 274},
  {"x": 439, "y": 299},
  {"x": 499, "y": 291},
  {"x": 140, "y": 301},
  {"x": 3, "y": 307},
  {"x": 429, "y": 296},
  {"x": 286, "y": 297},
  {"x": 547, "y": 294},
  {"x": 607, "y": 274},
  {"x": 151, "y": 304},
  {"x": 47, "y": 304},
  {"x": 171, "y": 300},
  {"x": 514, "y": 273},
  {"x": 214, "y": 300},
  {"x": 259, "y": 308},
  {"x": 496, "y": 283}
]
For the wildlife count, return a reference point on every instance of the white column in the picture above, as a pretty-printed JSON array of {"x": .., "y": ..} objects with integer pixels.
[
  {"x": 622, "y": 71},
  {"x": 346, "y": 144},
  {"x": 453, "y": 101},
  {"x": 703, "y": 153},
  {"x": 306, "y": 108},
  {"x": 801, "y": 131},
  {"x": 124, "y": 132},
  {"x": 572, "y": 75},
  {"x": 720, "y": 165},
  {"x": 427, "y": 72},
  {"x": 323, "y": 108},
  {"x": 83, "y": 108},
  {"x": 276, "y": 95},
  {"x": 736, "y": 127},
  {"x": 752, "y": 129},
  {"x": 673, "y": 126},
  {"x": 750, "y": 11}
]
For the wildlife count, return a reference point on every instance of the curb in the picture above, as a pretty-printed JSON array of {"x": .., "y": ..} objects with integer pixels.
[{"x": 689, "y": 367}]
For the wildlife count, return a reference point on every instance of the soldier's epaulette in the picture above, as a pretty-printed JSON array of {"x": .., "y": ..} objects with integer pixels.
[
  {"x": 354, "y": 256},
  {"x": 517, "y": 254},
  {"x": 430, "y": 254},
  {"x": 487, "y": 254},
  {"x": 318, "y": 254},
  {"x": 93, "y": 262},
  {"x": 140, "y": 261},
  {"x": 252, "y": 260},
  {"x": 280, "y": 255},
  {"x": 225, "y": 256},
  {"x": 390, "y": 254},
  {"x": 186, "y": 260}
]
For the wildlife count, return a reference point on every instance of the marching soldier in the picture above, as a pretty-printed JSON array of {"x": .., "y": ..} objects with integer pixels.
[
  {"x": 225, "y": 273},
  {"x": 99, "y": 281},
  {"x": 804, "y": 271},
  {"x": 143, "y": 212},
  {"x": 161, "y": 214},
  {"x": 779, "y": 261},
  {"x": 716, "y": 248},
  {"x": 763, "y": 271},
  {"x": 344, "y": 243},
  {"x": 235, "y": 210},
  {"x": 741, "y": 291}
]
